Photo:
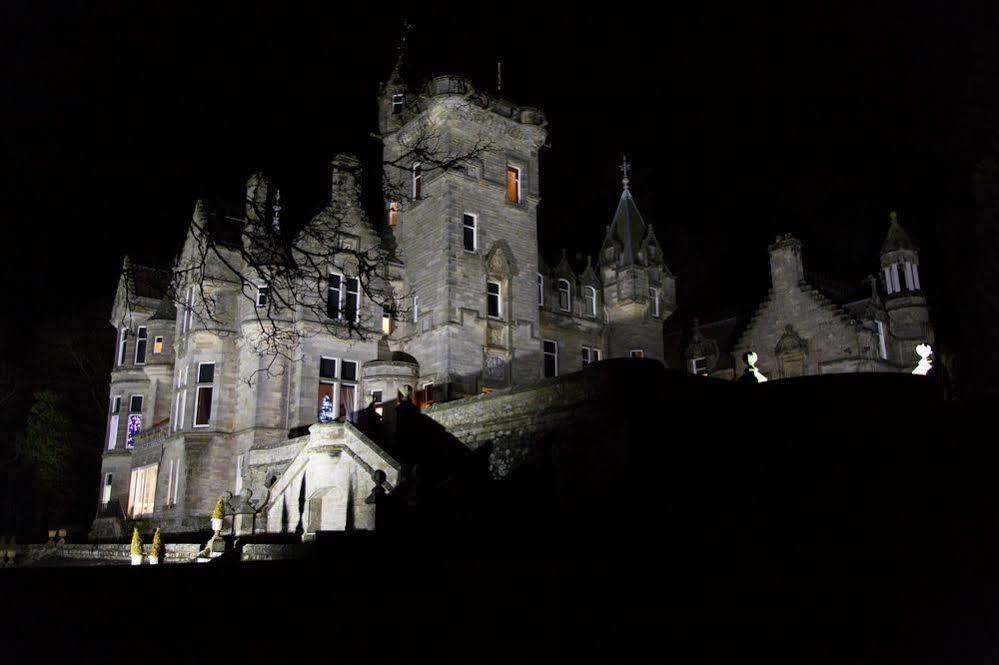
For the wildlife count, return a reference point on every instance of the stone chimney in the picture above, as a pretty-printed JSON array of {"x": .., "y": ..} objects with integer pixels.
[
  {"x": 786, "y": 269},
  {"x": 345, "y": 175}
]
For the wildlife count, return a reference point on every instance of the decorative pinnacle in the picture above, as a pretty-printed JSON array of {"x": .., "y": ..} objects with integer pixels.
[
  {"x": 893, "y": 216},
  {"x": 625, "y": 168}
]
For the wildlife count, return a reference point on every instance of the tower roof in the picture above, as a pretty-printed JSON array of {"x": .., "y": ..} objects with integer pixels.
[
  {"x": 628, "y": 228},
  {"x": 897, "y": 238}
]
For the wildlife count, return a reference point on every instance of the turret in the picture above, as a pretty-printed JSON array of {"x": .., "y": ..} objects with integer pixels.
[
  {"x": 786, "y": 268},
  {"x": 908, "y": 314}
]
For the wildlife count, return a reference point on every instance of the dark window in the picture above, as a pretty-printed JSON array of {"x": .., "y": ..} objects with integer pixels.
[
  {"x": 327, "y": 368},
  {"x": 468, "y": 224},
  {"x": 903, "y": 282},
  {"x": 122, "y": 341},
  {"x": 493, "y": 299},
  {"x": 263, "y": 295},
  {"x": 551, "y": 358},
  {"x": 396, "y": 103},
  {"x": 116, "y": 405},
  {"x": 206, "y": 373},
  {"x": 564, "y": 295},
  {"x": 348, "y": 370},
  {"x": 333, "y": 297},
  {"x": 204, "y": 412},
  {"x": 135, "y": 404},
  {"x": 351, "y": 307},
  {"x": 140, "y": 346},
  {"x": 376, "y": 396}
]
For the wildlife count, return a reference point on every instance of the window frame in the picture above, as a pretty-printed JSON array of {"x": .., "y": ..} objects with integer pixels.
[
  {"x": 541, "y": 290},
  {"x": 349, "y": 295},
  {"x": 475, "y": 231},
  {"x": 640, "y": 353},
  {"x": 393, "y": 213},
  {"x": 141, "y": 343},
  {"x": 122, "y": 346},
  {"x": 591, "y": 307},
  {"x": 568, "y": 291},
  {"x": 545, "y": 353},
  {"x": 693, "y": 366},
  {"x": 416, "y": 308},
  {"x": 590, "y": 355},
  {"x": 265, "y": 291},
  {"x": 417, "y": 191},
  {"x": 498, "y": 296},
  {"x": 398, "y": 101},
  {"x": 518, "y": 180},
  {"x": 157, "y": 345},
  {"x": 339, "y": 294},
  {"x": 131, "y": 401},
  {"x": 654, "y": 295},
  {"x": 199, "y": 386},
  {"x": 882, "y": 339}
]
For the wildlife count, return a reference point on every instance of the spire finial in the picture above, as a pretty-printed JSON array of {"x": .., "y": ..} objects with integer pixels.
[
  {"x": 625, "y": 168},
  {"x": 893, "y": 216}
]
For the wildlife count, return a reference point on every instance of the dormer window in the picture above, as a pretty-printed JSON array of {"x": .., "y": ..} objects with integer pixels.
[
  {"x": 397, "y": 100},
  {"x": 417, "y": 182},
  {"x": 564, "y": 295},
  {"x": 513, "y": 184}
]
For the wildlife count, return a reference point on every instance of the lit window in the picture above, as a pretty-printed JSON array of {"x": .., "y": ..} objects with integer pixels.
[
  {"x": 393, "y": 213},
  {"x": 493, "y": 305},
  {"x": 203, "y": 395},
  {"x": 654, "y": 300},
  {"x": 541, "y": 290},
  {"x": 637, "y": 353},
  {"x": 263, "y": 295},
  {"x": 417, "y": 182},
  {"x": 386, "y": 321},
  {"x": 352, "y": 304},
  {"x": 513, "y": 184},
  {"x": 397, "y": 103},
  {"x": 469, "y": 236},
  {"x": 590, "y": 295},
  {"x": 142, "y": 490},
  {"x": 333, "y": 292},
  {"x": 158, "y": 344},
  {"x": 564, "y": 295},
  {"x": 141, "y": 339},
  {"x": 551, "y": 357},
  {"x": 699, "y": 366}
]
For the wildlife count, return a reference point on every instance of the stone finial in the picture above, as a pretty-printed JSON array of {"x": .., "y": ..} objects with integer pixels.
[{"x": 625, "y": 168}]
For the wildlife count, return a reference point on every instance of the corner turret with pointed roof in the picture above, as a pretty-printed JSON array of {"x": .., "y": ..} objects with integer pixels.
[
  {"x": 897, "y": 238},
  {"x": 395, "y": 101}
]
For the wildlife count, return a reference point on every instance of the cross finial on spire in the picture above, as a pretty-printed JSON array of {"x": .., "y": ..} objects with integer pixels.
[
  {"x": 893, "y": 216},
  {"x": 625, "y": 168}
]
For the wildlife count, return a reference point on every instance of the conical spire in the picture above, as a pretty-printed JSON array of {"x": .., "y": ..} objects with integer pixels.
[
  {"x": 628, "y": 227},
  {"x": 897, "y": 238},
  {"x": 395, "y": 78}
]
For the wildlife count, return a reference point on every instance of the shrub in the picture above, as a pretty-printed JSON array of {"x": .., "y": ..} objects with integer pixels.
[
  {"x": 157, "y": 549},
  {"x": 136, "y": 542}
]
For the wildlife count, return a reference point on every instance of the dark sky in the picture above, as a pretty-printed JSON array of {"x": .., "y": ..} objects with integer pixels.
[{"x": 739, "y": 126}]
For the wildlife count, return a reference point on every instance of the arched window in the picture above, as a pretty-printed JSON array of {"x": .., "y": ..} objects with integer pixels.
[
  {"x": 590, "y": 295},
  {"x": 564, "y": 295}
]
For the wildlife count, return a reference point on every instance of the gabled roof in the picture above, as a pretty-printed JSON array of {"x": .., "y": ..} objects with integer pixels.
[
  {"x": 149, "y": 282},
  {"x": 897, "y": 238}
]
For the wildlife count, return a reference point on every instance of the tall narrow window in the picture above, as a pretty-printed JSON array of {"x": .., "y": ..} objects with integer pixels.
[
  {"x": 188, "y": 320},
  {"x": 564, "y": 295},
  {"x": 348, "y": 390},
  {"x": 176, "y": 483},
  {"x": 654, "y": 301},
  {"x": 417, "y": 182},
  {"x": 493, "y": 302},
  {"x": 106, "y": 493},
  {"x": 513, "y": 184},
  {"x": 393, "y": 213},
  {"x": 333, "y": 291},
  {"x": 180, "y": 399},
  {"x": 263, "y": 295},
  {"x": 586, "y": 356},
  {"x": 905, "y": 275},
  {"x": 134, "y": 427},
  {"x": 122, "y": 340},
  {"x": 416, "y": 309},
  {"x": 468, "y": 228},
  {"x": 203, "y": 396},
  {"x": 882, "y": 348},
  {"x": 915, "y": 277},
  {"x": 590, "y": 295},
  {"x": 169, "y": 482},
  {"x": 142, "y": 490},
  {"x": 113, "y": 424},
  {"x": 397, "y": 103},
  {"x": 352, "y": 303},
  {"x": 386, "y": 320},
  {"x": 551, "y": 357},
  {"x": 541, "y": 290},
  {"x": 141, "y": 339},
  {"x": 157, "y": 344},
  {"x": 590, "y": 355},
  {"x": 327, "y": 381},
  {"x": 239, "y": 473}
]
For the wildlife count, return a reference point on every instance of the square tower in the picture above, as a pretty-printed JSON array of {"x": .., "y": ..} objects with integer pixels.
[{"x": 462, "y": 180}]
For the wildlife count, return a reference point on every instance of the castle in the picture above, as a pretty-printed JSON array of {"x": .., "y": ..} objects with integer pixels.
[{"x": 196, "y": 410}]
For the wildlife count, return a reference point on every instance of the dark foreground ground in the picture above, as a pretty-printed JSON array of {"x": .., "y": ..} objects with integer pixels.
[{"x": 841, "y": 522}]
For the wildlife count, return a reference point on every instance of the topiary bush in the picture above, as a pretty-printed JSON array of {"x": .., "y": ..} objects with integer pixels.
[
  {"x": 157, "y": 548},
  {"x": 219, "y": 511},
  {"x": 136, "y": 542}
]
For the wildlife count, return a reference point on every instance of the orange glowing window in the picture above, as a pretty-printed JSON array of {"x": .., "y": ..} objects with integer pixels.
[
  {"x": 637, "y": 353},
  {"x": 393, "y": 214},
  {"x": 513, "y": 184}
]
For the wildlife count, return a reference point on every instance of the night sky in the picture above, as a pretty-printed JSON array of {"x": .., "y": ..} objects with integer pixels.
[{"x": 738, "y": 125}]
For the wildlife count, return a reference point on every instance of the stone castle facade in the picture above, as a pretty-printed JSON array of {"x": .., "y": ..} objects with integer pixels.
[{"x": 196, "y": 412}]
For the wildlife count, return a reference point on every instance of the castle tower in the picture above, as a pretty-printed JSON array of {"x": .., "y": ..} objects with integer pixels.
[
  {"x": 908, "y": 314},
  {"x": 462, "y": 168},
  {"x": 639, "y": 290}
]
